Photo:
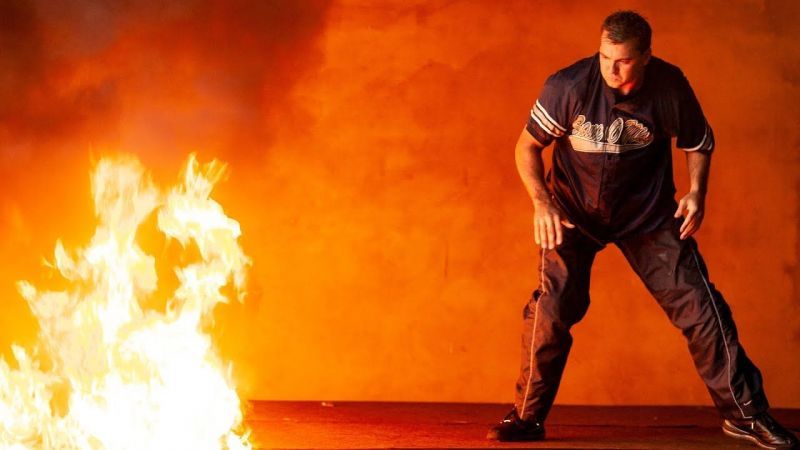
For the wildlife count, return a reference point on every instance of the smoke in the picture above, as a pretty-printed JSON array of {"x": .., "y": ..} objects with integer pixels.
[{"x": 149, "y": 76}]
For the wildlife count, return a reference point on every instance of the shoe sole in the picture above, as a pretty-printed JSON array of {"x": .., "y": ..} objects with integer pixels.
[
  {"x": 524, "y": 438},
  {"x": 741, "y": 435},
  {"x": 521, "y": 439}
]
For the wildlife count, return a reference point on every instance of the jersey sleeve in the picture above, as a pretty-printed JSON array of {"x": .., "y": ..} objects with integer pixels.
[
  {"x": 692, "y": 131},
  {"x": 548, "y": 119}
]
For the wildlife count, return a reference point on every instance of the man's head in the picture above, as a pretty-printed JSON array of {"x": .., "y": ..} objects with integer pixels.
[{"x": 624, "y": 50}]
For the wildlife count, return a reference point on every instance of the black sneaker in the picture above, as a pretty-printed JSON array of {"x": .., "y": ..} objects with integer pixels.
[
  {"x": 512, "y": 428},
  {"x": 763, "y": 430}
]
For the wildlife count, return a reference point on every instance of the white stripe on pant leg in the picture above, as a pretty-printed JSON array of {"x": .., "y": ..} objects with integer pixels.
[
  {"x": 721, "y": 330},
  {"x": 533, "y": 339}
]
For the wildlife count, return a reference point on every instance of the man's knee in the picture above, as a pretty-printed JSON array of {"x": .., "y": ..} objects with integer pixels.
[
  {"x": 699, "y": 312},
  {"x": 565, "y": 308}
]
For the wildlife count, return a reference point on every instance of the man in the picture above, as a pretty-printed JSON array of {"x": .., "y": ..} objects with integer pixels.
[{"x": 612, "y": 117}]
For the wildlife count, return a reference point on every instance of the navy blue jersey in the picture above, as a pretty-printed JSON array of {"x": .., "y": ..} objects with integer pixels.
[{"x": 612, "y": 164}]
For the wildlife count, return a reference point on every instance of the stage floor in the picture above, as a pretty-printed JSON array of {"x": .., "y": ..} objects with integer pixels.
[{"x": 462, "y": 425}]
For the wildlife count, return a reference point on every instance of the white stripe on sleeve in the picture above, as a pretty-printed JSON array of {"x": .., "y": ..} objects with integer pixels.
[
  {"x": 702, "y": 141},
  {"x": 547, "y": 116},
  {"x": 546, "y": 129}
]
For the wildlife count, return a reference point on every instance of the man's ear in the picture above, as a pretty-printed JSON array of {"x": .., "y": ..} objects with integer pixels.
[{"x": 647, "y": 54}]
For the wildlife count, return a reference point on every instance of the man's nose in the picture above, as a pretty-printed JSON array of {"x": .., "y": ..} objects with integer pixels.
[{"x": 615, "y": 68}]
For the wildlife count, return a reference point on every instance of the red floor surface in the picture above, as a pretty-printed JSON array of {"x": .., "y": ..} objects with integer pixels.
[{"x": 464, "y": 425}]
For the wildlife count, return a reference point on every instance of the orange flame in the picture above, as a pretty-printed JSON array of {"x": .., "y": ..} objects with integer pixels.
[{"x": 132, "y": 378}]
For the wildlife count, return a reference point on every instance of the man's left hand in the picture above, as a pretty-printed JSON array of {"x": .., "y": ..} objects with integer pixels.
[{"x": 693, "y": 205}]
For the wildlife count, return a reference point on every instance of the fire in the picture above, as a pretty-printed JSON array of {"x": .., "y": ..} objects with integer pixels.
[{"x": 108, "y": 373}]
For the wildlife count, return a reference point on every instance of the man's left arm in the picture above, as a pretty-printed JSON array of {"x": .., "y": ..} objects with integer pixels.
[
  {"x": 693, "y": 203},
  {"x": 696, "y": 138}
]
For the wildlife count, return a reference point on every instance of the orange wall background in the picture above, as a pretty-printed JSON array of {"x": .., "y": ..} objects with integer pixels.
[{"x": 370, "y": 147}]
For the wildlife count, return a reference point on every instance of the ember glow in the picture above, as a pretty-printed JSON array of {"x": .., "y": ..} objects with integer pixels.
[{"x": 108, "y": 373}]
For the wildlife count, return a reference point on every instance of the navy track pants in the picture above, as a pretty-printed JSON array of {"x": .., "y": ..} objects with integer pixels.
[{"x": 675, "y": 274}]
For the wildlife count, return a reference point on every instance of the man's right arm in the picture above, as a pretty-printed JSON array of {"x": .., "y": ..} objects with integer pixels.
[{"x": 547, "y": 218}]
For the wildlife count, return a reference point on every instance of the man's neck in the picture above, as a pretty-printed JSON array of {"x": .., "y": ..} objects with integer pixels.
[{"x": 631, "y": 88}]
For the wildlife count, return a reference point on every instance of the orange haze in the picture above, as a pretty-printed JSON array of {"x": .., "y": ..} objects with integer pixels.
[{"x": 371, "y": 168}]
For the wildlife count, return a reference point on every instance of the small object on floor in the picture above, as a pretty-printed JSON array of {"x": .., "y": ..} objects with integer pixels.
[
  {"x": 763, "y": 430},
  {"x": 513, "y": 429}
]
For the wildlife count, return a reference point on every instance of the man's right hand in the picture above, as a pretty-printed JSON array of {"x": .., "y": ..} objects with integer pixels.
[
  {"x": 547, "y": 218},
  {"x": 547, "y": 222}
]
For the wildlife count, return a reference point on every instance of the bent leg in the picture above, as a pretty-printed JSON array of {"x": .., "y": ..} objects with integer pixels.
[
  {"x": 674, "y": 272},
  {"x": 560, "y": 301}
]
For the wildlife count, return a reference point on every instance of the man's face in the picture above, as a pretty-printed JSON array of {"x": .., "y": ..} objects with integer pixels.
[{"x": 622, "y": 65}]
